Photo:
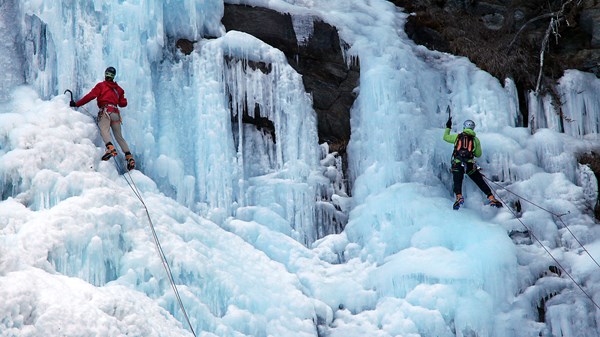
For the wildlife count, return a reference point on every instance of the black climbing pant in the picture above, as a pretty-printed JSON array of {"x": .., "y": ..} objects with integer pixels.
[{"x": 458, "y": 173}]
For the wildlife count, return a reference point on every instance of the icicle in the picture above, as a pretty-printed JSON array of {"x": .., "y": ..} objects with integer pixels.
[{"x": 303, "y": 27}]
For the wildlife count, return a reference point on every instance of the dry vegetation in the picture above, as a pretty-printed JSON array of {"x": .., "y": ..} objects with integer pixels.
[
  {"x": 488, "y": 49},
  {"x": 512, "y": 51}
]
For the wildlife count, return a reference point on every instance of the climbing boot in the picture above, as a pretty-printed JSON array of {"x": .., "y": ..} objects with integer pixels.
[
  {"x": 110, "y": 152},
  {"x": 494, "y": 202},
  {"x": 459, "y": 201},
  {"x": 130, "y": 161}
]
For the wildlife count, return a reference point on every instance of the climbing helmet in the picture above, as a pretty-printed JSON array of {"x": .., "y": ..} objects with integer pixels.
[
  {"x": 469, "y": 124},
  {"x": 110, "y": 72}
]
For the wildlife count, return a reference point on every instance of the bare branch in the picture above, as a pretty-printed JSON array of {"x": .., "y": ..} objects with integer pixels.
[
  {"x": 537, "y": 18},
  {"x": 556, "y": 18},
  {"x": 549, "y": 30},
  {"x": 559, "y": 15}
]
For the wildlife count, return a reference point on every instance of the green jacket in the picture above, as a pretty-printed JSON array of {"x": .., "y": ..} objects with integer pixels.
[{"x": 452, "y": 139}]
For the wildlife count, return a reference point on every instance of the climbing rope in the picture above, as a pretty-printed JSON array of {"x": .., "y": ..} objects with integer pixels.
[
  {"x": 559, "y": 216},
  {"x": 539, "y": 241},
  {"x": 157, "y": 244}
]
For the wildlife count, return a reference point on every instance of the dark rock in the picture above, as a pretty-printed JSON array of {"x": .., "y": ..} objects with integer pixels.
[
  {"x": 494, "y": 21},
  {"x": 323, "y": 45},
  {"x": 425, "y": 36},
  {"x": 588, "y": 60},
  {"x": 319, "y": 59},
  {"x": 262, "y": 123},
  {"x": 268, "y": 25},
  {"x": 186, "y": 46},
  {"x": 265, "y": 68},
  {"x": 503, "y": 37},
  {"x": 518, "y": 17},
  {"x": 482, "y": 8},
  {"x": 590, "y": 23}
]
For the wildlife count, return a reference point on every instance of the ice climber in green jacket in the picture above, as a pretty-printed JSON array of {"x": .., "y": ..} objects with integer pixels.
[{"x": 466, "y": 148}]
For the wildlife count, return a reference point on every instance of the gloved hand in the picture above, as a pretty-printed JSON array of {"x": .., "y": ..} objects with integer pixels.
[
  {"x": 73, "y": 104},
  {"x": 449, "y": 123}
]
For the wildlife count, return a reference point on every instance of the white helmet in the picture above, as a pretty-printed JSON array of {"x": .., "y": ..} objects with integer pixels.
[{"x": 469, "y": 124}]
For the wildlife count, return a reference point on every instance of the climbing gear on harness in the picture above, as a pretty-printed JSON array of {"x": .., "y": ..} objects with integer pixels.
[
  {"x": 130, "y": 161},
  {"x": 463, "y": 147},
  {"x": 109, "y": 109},
  {"x": 494, "y": 202},
  {"x": 459, "y": 202},
  {"x": 110, "y": 73},
  {"x": 469, "y": 124},
  {"x": 475, "y": 169},
  {"x": 110, "y": 152},
  {"x": 462, "y": 167}
]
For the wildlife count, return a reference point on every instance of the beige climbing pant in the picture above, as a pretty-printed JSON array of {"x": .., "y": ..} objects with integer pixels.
[{"x": 112, "y": 120}]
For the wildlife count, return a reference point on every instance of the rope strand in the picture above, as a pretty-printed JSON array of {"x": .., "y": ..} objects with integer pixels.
[
  {"x": 540, "y": 242},
  {"x": 559, "y": 216},
  {"x": 158, "y": 248},
  {"x": 157, "y": 244}
]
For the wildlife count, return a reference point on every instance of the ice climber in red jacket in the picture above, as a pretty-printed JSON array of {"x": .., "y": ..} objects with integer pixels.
[{"x": 109, "y": 96}]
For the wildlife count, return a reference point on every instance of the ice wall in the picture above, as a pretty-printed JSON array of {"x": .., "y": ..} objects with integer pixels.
[
  {"x": 131, "y": 36},
  {"x": 11, "y": 49},
  {"x": 574, "y": 111},
  {"x": 216, "y": 160},
  {"x": 76, "y": 251},
  {"x": 407, "y": 264},
  {"x": 178, "y": 121}
]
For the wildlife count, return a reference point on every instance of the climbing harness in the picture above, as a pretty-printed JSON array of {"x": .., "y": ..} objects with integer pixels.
[
  {"x": 462, "y": 167},
  {"x": 540, "y": 242},
  {"x": 157, "y": 244},
  {"x": 109, "y": 109}
]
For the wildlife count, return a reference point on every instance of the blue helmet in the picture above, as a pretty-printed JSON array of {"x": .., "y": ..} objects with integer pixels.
[{"x": 469, "y": 124}]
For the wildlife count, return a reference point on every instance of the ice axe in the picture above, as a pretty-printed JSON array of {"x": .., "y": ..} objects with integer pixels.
[
  {"x": 70, "y": 92},
  {"x": 72, "y": 102}
]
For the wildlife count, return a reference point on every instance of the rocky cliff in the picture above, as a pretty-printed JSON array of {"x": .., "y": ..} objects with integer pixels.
[
  {"x": 512, "y": 38},
  {"x": 531, "y": 41},
  {"x": 318, "y": 57},
  {"x": 507, "y": 38}
]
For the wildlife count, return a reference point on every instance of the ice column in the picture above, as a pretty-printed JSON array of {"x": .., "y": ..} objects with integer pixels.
[{"x": 283, "y": 169}]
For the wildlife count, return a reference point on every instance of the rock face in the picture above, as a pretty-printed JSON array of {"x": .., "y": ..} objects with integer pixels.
[
  {"x": 517, "y": 27},
  {"x": 313, "y": 48},
  {"x": 318, "y": 57}
]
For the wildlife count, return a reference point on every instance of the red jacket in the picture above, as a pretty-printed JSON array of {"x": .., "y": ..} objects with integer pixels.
[{"x": 106, "y": 92}]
